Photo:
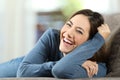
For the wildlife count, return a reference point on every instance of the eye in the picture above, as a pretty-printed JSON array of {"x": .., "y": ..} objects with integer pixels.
[
  {"x": 80, "y": 32},
  {"x": 68, "y": 24}
]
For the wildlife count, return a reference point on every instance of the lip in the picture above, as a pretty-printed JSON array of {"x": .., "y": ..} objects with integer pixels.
[{"x": 67, "y": 43}]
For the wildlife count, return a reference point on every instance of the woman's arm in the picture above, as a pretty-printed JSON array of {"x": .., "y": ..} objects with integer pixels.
[
  {"x": 70, "y": 65},
  {"x": 35, "y": 62},
  {"x": 85, "y": 51}
]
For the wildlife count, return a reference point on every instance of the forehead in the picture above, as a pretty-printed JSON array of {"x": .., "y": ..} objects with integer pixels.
[{"x": 81, "y": 21}]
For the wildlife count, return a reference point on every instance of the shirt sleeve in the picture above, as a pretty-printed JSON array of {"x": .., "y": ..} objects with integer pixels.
[
  {"x": 35, "y": 62},
  {"x": 84, "y": 51},
  {"x": 70, "y": 65}
]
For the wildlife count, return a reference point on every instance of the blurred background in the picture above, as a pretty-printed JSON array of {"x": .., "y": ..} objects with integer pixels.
[{"x": 22, "y": 22}]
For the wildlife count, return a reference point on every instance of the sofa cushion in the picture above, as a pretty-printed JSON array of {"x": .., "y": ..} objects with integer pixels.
[
  {"x": 114, "y": 57},
  {"x": 113, "y": 20}
]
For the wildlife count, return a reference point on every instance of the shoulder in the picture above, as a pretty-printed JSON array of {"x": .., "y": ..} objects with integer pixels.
[
  {"x": 51, "y": 35},
  {"x": 53, "y": 39},
  {"x": 52, "y": 32}
]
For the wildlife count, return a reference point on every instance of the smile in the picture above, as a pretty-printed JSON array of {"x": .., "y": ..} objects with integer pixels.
[{"x": 67, "y": 41}]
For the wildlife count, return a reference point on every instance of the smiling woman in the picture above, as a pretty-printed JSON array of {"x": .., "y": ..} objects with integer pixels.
[
  {"x": 73, "y": 52},
  {"x": 74, "y": 33}
]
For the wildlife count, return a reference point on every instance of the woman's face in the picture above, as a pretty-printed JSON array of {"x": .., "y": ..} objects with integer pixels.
[{"x": 74, "y": 33}]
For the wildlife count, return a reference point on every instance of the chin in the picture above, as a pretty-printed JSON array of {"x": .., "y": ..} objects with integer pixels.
[{"x": 64, "y": 50}]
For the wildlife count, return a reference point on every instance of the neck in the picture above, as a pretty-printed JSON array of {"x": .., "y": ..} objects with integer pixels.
[{"x": 64, "y": 54}]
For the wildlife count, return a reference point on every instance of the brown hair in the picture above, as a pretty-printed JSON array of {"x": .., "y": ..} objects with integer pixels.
[{"x": 95, "y": 19}]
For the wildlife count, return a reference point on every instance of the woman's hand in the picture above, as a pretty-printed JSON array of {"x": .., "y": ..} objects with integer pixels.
[
  {"x": 91, "y": 67},
  {"x": 104, "y": 30}
]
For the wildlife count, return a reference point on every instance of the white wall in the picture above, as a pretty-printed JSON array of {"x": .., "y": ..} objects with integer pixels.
[
  {"x": 16, "y": 29},
  {"x": 2, "y": 9},
  {"x": 103, "y": 6}
]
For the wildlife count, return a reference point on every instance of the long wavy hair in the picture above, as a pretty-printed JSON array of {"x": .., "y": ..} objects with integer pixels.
[{"x": 95, "y": 19}]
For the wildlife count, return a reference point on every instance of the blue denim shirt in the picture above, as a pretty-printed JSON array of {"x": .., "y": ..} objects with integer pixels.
[{"x": 45, "y": 59}]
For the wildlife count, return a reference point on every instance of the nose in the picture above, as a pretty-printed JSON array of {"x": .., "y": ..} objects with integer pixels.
[{"x": 69, "y": 33}]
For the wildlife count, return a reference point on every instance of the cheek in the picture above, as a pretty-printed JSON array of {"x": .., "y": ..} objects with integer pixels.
[
  {"x": 80, "y": 40},
  {"x": 64, "y": 29}
]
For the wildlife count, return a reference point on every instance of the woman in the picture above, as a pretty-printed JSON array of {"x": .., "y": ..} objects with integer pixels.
[{"x": 68, "y": 53}]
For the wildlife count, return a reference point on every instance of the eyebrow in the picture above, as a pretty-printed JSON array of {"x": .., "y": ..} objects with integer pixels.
[
  {"x": 77, "y": 27},
  {"x": 81, "y": 29},
  {"x": 71, "y": 22}
]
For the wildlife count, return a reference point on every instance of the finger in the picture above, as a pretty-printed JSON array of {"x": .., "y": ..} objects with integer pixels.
[
  {"x": 107, "y": 28},
  {"x": 101, "y": 28},
  {"x": 92, "y": 70},
  {"x": 104, "y": 27},
  {"x": 95, "y": 65},
  {"x": 96, "y": 69},
  {"x": 86, "y": 67},
  {"x": 104, "y": 30},
  {"x": 88, "y": 71}
]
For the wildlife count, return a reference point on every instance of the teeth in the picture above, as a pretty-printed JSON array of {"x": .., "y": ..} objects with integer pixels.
[{"x": 66, "y": 40}]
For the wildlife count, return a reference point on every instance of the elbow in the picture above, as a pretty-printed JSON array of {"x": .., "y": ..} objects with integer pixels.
[
  {"x": 62, "y": 73},
  {"x": 21, "y": 72},
  {"x": 69, "y": 72}
]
